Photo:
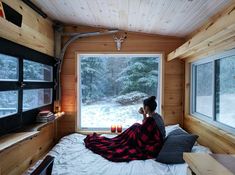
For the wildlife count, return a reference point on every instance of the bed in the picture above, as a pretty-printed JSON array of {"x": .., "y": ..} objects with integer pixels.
[{"x": 72, "y": 158}]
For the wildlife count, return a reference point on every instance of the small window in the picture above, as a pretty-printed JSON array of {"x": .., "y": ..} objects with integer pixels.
[
  {"x": 36, "y": 98},
  {"x": 37, "y": 72},
  {"x": 8, "y": 103},
  {"x": 8, "y": 68},
  {"x": 213, "y": 90}
]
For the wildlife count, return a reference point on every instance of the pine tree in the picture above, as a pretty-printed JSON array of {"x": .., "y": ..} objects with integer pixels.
[
  {"x": 141, "y": 75},
  {"x": 92, "y": 71}
]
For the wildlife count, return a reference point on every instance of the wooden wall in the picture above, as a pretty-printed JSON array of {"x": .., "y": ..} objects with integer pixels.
[
  {"x": 135, "y": 43},
  {"x": 215, "y": 37},
  {"x": 16, "y": 159},
  {"x": 35, "y": 33}
]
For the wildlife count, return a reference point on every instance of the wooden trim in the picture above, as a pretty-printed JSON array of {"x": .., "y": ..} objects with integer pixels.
[{"x": 217, "y": 31}]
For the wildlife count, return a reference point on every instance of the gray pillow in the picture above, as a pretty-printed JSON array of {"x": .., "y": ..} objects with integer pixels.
[{"x": 174, "y": 146}]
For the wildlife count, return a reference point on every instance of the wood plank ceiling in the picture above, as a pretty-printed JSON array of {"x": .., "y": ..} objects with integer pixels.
[{"x": 165, "y": 17}]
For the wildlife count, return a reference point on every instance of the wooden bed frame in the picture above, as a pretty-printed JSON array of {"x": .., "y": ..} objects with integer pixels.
[{"x": 45, "y": 168}]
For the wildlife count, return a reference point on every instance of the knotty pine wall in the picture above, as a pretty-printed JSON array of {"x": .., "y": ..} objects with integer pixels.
[
  {"x": 35, "y": 33},
  {"x": 135, "y": 43}
]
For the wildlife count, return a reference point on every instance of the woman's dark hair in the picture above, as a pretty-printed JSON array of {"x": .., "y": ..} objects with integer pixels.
[{"x": 151, "y": 103}]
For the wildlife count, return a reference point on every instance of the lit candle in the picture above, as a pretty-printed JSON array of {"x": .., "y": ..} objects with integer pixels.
[
  {"x": 119, "y": 128},
  {"x": 113, "y": 128}
]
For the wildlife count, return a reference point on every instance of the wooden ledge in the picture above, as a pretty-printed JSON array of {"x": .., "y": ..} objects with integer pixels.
[
  {"x": 23, "y": 134},
  {"x": 12, "y": 139}
]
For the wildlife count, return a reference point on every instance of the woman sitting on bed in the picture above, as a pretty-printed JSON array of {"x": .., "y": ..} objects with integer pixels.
[{"x": 138, "y": 142}]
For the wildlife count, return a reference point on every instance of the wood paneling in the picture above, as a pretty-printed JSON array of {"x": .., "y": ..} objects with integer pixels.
[
  {"x": 16, "y": 159},
  {"x": 216, "y": 139},
  {"x": 35, "y": 32},
  {"x": 218, "y": 31},
  {"x": 165, "y": 17},
  {"x": 135, "y": 43}
]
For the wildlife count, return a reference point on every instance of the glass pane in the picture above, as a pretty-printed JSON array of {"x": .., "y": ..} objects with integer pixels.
[
  {"x": 113, "y": 89},
  {"x": 8, "y": 68},
  {"x": 36, "y": 98},
  {"x": 225, "y": 91},
  {"x": 8, "y": 103},
  {"x": 34, "y": 71},
  {"x": 204, "y": 93}
]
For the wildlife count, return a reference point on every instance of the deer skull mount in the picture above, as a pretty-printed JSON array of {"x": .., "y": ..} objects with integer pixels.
[{"x": 119, "y": 40}]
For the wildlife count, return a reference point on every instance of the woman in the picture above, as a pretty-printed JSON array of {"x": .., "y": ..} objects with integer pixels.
[{"x": 138, "y": 142}]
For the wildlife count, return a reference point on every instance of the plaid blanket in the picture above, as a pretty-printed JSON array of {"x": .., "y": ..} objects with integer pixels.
[{"x": 139, "y": 142}]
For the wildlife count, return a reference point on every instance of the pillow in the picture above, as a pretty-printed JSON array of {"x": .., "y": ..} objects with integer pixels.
[
  {"x": 178, "y": 131},
  {"x": 174, "y": 146},
  {"x": 170, "y": 128}
]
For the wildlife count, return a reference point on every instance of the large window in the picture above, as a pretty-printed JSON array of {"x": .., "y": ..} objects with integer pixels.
[
  {"x": 112, "y": 88},
  {"x": 213, "y": 89},
  {"x": 26, "y": 85}
]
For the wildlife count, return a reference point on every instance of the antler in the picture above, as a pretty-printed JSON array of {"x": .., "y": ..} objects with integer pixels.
[{"x": 119, "y": 40}]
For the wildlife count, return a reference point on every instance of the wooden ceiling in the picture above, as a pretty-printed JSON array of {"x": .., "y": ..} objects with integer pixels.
[{"x": 164, "y": 17}]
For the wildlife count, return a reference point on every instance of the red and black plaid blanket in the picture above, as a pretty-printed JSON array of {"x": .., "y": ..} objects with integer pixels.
[{"x": 139, "y": 142}]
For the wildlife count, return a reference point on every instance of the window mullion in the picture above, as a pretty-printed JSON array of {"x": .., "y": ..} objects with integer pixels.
[
  {"x": 214, "y": 91},
  {"x": 20, "y": 91}
]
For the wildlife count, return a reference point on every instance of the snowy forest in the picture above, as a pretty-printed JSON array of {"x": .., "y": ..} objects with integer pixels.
[
  {"x": 117, "y": 84},
  {"x": 32, "y": 71}
]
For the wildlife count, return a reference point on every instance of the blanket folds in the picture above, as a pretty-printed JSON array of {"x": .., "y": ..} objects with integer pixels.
[{"x": 138, "y": 142}]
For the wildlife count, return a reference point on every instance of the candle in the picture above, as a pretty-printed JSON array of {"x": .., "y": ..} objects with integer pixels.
[
  {"x": 113, "y": 128},
  {"x": 119, "y": 128}
]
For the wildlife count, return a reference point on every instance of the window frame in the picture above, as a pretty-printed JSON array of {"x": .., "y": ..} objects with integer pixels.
[
  {"x": 21, "y": 53},
  {"x": 78, "y": 74},
  {"x": 211, "y": 120}
]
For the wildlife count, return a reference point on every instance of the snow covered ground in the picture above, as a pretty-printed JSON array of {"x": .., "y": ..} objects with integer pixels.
[
  {"x": 104, "y": 114},
  {"x": 227, "y": 108}
]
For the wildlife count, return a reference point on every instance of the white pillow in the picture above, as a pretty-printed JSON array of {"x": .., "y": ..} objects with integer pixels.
[{"x": 170, "y": 128}]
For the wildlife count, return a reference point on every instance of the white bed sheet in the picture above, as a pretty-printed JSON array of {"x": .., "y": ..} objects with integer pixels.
[{"x": 72, "y": 158}]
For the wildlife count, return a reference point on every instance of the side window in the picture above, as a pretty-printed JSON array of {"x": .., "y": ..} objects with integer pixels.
[{"x": 213, "y": 90}]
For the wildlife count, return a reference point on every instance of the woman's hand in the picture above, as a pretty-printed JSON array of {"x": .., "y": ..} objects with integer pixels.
[{"x": 141, "y": 110}]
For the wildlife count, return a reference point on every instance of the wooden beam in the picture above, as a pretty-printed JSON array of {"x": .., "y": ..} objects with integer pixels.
[{"x": 216, "y": 31}]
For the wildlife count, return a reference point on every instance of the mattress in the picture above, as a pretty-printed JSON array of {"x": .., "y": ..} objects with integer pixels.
[{"x": 72, "y": 158}]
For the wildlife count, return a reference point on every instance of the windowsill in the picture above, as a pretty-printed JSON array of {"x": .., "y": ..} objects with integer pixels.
[
  {"x": 11, "y": 139},
  {"x": 98, "y": 132}
]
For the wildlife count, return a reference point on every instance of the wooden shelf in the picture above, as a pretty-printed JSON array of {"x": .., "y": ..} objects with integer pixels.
[
  {"x": 9, "y": 140},
  {"x": 25, "y": 133},
  {"x": 203, "y": 164},
  {"x": 39, "y": 126}
]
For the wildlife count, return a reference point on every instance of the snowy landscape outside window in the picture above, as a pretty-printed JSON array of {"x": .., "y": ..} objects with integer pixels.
[
  {"x": 112, "y": 88},
  {"x": 213, "y": 89},
  {"x": 8, "y": 73}
]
